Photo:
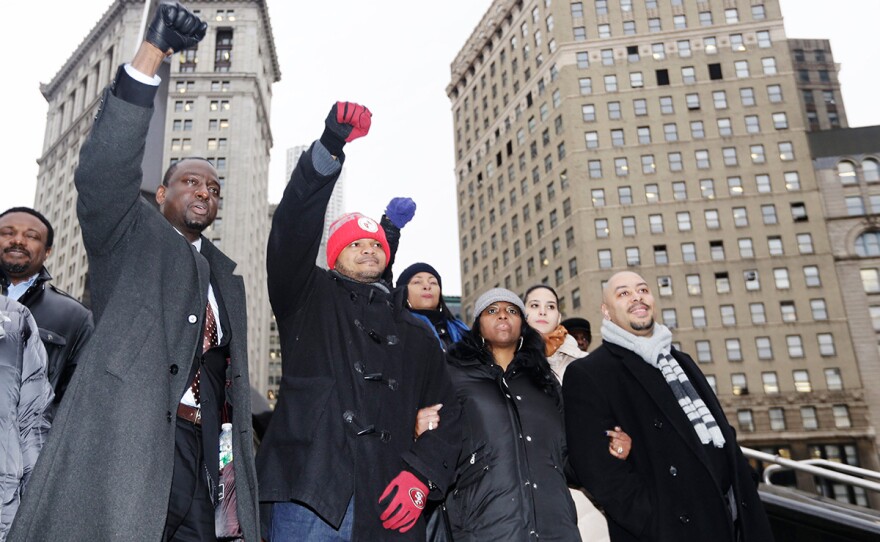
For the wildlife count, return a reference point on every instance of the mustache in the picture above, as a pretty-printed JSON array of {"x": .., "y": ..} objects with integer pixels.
[{"x": 18, "y": 248}]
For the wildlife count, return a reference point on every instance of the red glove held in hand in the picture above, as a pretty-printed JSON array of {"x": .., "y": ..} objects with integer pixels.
[
  {"x": 408, "y": 496},
  {"x": 346, "y": 122}
]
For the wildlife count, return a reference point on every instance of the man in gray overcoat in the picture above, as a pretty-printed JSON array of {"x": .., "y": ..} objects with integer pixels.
[{"x": 133, "y": 454}]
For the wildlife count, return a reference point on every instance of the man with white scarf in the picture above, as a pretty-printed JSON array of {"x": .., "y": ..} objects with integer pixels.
[{"x": 685, "y": 478}]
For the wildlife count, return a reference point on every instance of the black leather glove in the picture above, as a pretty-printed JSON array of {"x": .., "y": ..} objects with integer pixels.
[
  {"x": 174, "y": 28},
  {"x": 346, "y": 122}
]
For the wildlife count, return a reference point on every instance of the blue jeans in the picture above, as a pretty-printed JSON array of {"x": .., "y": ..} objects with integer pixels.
[{"x": 293, "y": 522}]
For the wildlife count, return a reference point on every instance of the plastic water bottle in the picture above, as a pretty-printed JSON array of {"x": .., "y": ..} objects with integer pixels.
[{"x": 225, "y": 445}]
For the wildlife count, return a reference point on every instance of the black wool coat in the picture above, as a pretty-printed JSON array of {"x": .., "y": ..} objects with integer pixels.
[
  {"x": 666, "y": 490},
  {"x": 356, "y": 369},
  {"x": 511, "y": 483}
]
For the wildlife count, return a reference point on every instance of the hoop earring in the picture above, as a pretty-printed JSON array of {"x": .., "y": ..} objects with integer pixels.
[
  {"x": 520, "y": 343},
  {"x": 408, "y": 304},
  {"x": 484, "y": 341}
]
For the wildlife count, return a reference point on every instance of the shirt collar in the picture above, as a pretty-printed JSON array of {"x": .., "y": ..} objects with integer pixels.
[{"x": 197, "y": 243}]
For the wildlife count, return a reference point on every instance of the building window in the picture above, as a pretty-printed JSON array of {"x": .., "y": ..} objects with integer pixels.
[
  {"x": 605, "y": 259},
  {"x": 770, "y": 381},
  {"x": 747, "y": 96},
  {"x": 833, "y": 380},
  {"x": 841, "y": 416},
  {"x": 697, "y": 131},
  {"x": 809, "y": 418},
  {"x": 670, "y": 319},
  {"x": 739, "y": 384},
  {"x": 704, "y": 351},
  {"x": 741, "y": 68},
  {"x": 777, "y": 419},
  {"x": 745, "y": 420},
  {"x": 698, "y": 317},
  {"x": 826, "y": 344},
  {"x": 795, "y": 345},
  {"x": 588, "y": 112},
  {"x": 802, "y": 381},
  {"x": 728, "y": 315},
  {"x": 621, "y": 167},
  {"x": 662, "y": 257},
  {"x": 756, "y": 311},
  {"x": 689, "y": 254},
  {"x": 769, "y": 65},
  {"x": 734, "y": 350},
  {"x": 629, "y": 226},
  {"x": 768, "y": 212},
  {"x": 746, "y": 249},
  {"x": 223, "y": 50},
  {"x": 780, "y": 121},
  {"x": 632, "y": 256},
  {"x": 752, "y": 280},
  {"x": 684, "y": 220},
  {"x": 586, "y": 85},
  {"x": 868, "y": 244},
  {"x": 595, "y": 168}
]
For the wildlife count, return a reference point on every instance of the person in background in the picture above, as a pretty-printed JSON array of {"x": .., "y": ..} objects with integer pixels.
[
  {"x": 686, "y": 479},
  {"x": 420, "y": 289},
  {"x": 579, "y": 328},
  {"x": 26, "y": 240},
  {"x": 510, "y": 482},
  {"x": 25, "y": 393},
  {"x": 542, "y": 313},
  {"x": 338, "y": 460}
]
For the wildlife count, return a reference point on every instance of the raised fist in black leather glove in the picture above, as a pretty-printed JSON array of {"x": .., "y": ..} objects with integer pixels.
[
  {"x": 346, "y": 122},
  {"x": 174, "y": 29}
]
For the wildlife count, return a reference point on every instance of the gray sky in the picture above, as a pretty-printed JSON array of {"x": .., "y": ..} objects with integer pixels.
[{"x": 368, "y": 52}]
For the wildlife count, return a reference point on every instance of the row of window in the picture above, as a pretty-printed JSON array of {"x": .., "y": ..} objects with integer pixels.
[
  {"x": 810, "y": 421},
  {"x": 712, "y": 218},
  {"x": 787, "y": 313},
  {"x": 717, "y": 253},
  {"x": 848, "y": 173},
  {"x": 213, "y": 144},
  {"x": 186, "y": 125},
  {"x": 801, "y": 379},
  {"x": 794, "y": 347},
  {"x": 751, "y": 278},
  {"x": 185, "y": 106},
  {"x": 683, "y": 48},
  {"x": 188, "y": 59},
  {"x": 182, "y": 87},
  {"x": 679, "y": 21},
  {"x": 617, "y": 136}
]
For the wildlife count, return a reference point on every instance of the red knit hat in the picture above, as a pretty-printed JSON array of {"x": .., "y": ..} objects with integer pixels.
[{"x": 350, "y": 227}]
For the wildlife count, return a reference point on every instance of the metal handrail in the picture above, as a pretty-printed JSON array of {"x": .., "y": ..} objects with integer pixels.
[{"x": 817, "y": 467}]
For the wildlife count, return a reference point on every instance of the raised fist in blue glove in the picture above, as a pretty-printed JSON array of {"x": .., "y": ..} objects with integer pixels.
[
  {"x": 174, "y": 29},
  {"x": 400, "y": 211}
]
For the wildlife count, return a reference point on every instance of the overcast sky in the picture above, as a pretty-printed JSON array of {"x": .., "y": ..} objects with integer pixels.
[{"x": 394, "y": 57}]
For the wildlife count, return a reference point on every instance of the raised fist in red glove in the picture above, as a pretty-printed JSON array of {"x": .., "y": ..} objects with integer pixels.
[
  {"x": 406, "y": 496},
  {"x": 346, "y": 122},
  {"x": 174, "y": 28}
]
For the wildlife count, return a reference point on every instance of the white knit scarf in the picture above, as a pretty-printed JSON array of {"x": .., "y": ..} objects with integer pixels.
[{"x": 656, "y": 351}]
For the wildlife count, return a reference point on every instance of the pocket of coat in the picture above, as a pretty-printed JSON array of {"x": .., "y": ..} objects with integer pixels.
[
  {"x": 122, "y": 347},
  {"x": 473, "y": 467},
  {"x": 305, "y": 403}
]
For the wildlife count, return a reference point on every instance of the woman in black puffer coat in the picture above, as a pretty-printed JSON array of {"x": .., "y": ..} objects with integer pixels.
[{"x": 511, "y": 484}]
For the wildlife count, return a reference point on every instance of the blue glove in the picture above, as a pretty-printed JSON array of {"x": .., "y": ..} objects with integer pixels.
[{"x": 400, "y": 211}]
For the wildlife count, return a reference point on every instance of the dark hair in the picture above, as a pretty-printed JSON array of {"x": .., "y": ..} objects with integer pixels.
[
  {"x": 537, "y": 287},
  {"x": 173, "y": 167},
  {"x": 529, "y": 357},
  {"x": 50, "y": 235}
]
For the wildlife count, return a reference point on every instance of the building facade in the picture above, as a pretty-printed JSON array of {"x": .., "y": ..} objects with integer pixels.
[
  {"x": 217, "y": 105},
  {"x": 818, "y": 84},
  {"x": 666, "y": 137}
]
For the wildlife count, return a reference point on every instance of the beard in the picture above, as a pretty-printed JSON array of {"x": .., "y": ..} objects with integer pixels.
[
  {"x": 638, "y": 326},
  {"x": 359, "y": 276},
  {"x": 198, "y": 226},
  {"x": 14, "y": 268}
]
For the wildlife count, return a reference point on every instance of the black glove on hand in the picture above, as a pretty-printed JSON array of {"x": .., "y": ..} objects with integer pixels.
[
  {"x": 174, "y": 28},
  {"x": 346, "y": 122}
]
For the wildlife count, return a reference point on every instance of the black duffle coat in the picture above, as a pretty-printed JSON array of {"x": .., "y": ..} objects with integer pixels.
[{"x": 356, "y": 369}]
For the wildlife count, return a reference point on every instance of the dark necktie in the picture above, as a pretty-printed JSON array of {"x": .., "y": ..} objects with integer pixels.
[{"x": 209, "y": 341}]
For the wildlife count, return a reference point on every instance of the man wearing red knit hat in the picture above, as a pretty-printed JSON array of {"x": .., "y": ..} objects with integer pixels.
[{"x": 339, "y": 460}]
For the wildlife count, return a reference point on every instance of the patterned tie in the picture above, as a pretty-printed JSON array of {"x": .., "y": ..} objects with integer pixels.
[{"x": 209, "y": 341}]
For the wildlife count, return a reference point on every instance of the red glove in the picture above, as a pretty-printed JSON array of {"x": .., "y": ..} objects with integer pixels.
[
  {"x": 357, "y": 116},
  {"x": 346, "y": 122},
  {"x": 407, "y": 495}
]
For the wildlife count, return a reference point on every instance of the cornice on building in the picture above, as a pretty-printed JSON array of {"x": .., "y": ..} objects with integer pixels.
[{"x": 482, "y": 34}]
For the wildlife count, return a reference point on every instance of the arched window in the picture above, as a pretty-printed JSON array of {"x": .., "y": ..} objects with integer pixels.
[
  {"x": 868, "y": 244},
  {"x": 846, "y": 172},
  {"x": 871, "y": 170}
]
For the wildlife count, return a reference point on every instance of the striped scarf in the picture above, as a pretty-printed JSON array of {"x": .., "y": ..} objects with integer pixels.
[{"x": 656, "y": 351}]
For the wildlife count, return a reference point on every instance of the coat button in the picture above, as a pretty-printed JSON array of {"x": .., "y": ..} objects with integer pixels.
[
  {"x": 673, "y": 471},
  {"x": 192, "y": 319},
  {"x": 172, "y": 369},
  {"x": 168, "y": 415},
  {"x": 385, "y": 436},
  {"x": 657, "y": 423},
  {"x": 348, "y": 416},
  {"x": 528, "y": 438},
  {"x": 684, "y": 519}
]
